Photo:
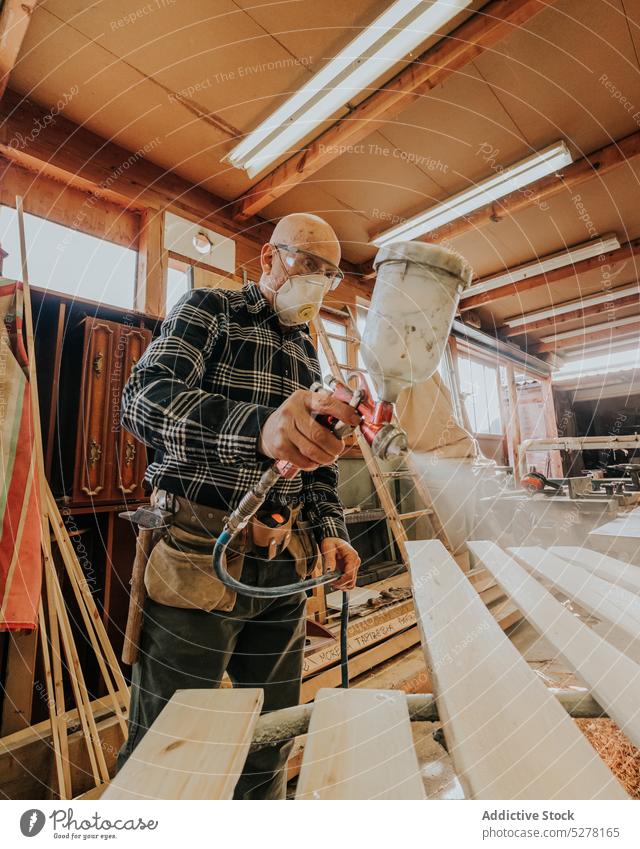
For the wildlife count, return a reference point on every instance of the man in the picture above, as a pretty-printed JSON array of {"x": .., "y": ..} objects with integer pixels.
[{"x": 222, "y": 392}]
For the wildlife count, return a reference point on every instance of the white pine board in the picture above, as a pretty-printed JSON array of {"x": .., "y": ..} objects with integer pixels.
[
  {"x": 615, "y": 604},
  {"x": 359, "y": 746},
  {"x": 195, "y": 749},
  {"x": 506, "y": 733},
  {"x": 611, "y": 569},
  {"x": 612, "y": 678}
]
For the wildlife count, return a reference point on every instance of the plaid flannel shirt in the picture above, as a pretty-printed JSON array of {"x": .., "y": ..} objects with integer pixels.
[{"x": 202, "y": 391}]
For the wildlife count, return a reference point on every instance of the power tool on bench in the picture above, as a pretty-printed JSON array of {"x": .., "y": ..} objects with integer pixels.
[{"x": 535, "y": 483}]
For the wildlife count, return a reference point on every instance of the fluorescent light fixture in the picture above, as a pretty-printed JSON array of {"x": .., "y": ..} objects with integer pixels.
[
  {"x": 504, "y": 182},
  {"x": 593, "y": 328},
  {"x": 388, "y": 40},
  {"x": 582, "y": 349},
  {"x": 585, "y": 250},
  {"x": 599, "y": 364},
  {"x": 609, "y": 297}
]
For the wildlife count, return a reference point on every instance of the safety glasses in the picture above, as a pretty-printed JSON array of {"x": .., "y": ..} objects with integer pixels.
[{"x": 298, "y": 261}]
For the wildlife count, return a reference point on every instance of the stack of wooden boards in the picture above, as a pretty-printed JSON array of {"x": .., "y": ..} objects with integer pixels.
[
  {"x": 506, "y": 733},
  {"x": 360, "y": 747}
]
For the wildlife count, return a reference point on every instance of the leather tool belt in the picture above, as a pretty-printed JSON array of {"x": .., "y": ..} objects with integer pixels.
[
  {"x": 178, "y": 571},
  {"x": 264, "y": 536}
]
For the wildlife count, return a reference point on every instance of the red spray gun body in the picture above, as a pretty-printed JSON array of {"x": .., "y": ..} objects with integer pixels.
[
  {"x": 384, "y": 437},
  {"x": 386, "y": 440}
]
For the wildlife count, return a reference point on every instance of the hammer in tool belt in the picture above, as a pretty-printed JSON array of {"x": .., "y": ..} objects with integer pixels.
[{"x": 149, "y": 520}]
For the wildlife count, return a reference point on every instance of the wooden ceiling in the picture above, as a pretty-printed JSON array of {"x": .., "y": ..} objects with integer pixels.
[{"x": 197, "y": 75}]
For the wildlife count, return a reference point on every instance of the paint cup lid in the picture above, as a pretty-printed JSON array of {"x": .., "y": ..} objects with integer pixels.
[{"x": 426, "y": 254}]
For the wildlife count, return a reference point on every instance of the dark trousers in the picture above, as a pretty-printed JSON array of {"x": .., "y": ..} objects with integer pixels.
[{"x": 260, "y": 643}]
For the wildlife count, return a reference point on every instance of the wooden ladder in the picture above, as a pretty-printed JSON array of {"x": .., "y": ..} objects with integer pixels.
[{"x": 379, "y": 476}]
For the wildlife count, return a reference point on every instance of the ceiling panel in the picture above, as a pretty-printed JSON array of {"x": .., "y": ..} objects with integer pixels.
[
  {"x": 549, "y": 76},
  {"x": 601, "y": 205}
]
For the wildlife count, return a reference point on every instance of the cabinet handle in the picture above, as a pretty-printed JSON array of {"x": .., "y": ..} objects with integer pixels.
[
  {"x": 129, "y": 452},
  {"x": 95, "y": 452},
  {"x": 97, "y": 363}
]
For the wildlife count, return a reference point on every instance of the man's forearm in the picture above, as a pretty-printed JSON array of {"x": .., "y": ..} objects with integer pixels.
[{"x": 322, "y": 506}]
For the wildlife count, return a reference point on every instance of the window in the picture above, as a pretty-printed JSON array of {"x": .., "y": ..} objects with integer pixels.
[
  {"x": 479, "y": 388},
  {"x": 179, "y": 281},
  {"x": 333, "y": 328},
  {"x": 68, "y": 261}
]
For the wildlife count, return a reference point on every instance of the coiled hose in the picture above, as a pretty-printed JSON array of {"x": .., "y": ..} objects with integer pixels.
[{"x": 220, "y": 570}]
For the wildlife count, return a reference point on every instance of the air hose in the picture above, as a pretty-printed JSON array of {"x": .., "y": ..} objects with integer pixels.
[{"x": 220, "y": 570}]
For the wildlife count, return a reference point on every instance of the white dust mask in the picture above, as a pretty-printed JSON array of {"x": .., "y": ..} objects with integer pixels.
[{"x": 299, "y": 298}]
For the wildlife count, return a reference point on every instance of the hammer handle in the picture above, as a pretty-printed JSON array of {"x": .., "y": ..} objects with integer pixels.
[{"x": 137, "y": 594}]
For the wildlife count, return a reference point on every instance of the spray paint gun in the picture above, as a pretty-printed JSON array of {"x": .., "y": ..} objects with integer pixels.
[
  {"x": 415, "y": 298},
  {"x": 386, "y": 440}
]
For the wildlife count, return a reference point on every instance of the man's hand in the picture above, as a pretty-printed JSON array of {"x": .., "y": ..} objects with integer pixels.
[
  {"x": 292, "y": 432},
  {"x": 338, "y": 554}
]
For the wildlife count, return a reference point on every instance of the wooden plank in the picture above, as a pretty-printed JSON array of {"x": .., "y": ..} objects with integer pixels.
[
  {"x": 359, "y": 746},
  {"x": 507, "y": 735},
  {"x": 609, "y": 568},
  {"x": 195, "y": 749},
  {"x": 615, "y": 604},
  {"x": 612, "y": 678},
  {"x": 15, "y": 17},
  {"x": 363, "y": 633},
  {"x": 496, "y": 21}
]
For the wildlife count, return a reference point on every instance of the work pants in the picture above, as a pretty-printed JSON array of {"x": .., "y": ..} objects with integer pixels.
[{"x": 260, "y": 643}]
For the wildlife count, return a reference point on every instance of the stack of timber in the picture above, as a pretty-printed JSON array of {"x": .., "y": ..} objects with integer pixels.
[{"x": 513, "y": 740}]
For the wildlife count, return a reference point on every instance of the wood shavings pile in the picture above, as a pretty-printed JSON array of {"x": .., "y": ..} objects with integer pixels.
[{"x": 619, "y": 754}]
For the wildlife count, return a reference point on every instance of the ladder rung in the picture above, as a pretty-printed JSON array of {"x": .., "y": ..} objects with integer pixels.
[
  {"x": 400, "y": 474},
  {"x": 414, "y": 514}
]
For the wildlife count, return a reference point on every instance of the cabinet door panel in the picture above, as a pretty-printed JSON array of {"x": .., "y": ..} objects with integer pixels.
[
  {"x": 94, "y": 444},
  {"x": 130, "y": 454}
]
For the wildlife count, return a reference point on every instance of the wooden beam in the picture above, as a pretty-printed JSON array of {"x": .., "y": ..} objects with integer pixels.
[
  {"x": 551, "y": 425},
  {"x": 514, "y": 437},
  {"x": 195, "y": 749},
  {"x": 604, "y": 262},
  {"x": 15, "y": 17},
  {"x": 608, "y": 307},
  {"x": 153, "y": 265},
  {"x": 359, "y": 746},
  {"x": 491, "y": 24},
  {"x": 575, "y": 342},
  {"x": 612, "y": 677},
  {"x": 78, "y": 157},
  {"x": 506, "y": 734},
  {"x": 66, "y": 205},
  {"x": 598, "y": 163}
]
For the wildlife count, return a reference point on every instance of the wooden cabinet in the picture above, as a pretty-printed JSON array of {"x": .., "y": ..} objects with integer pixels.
[{"x": 109, "y": 462}]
